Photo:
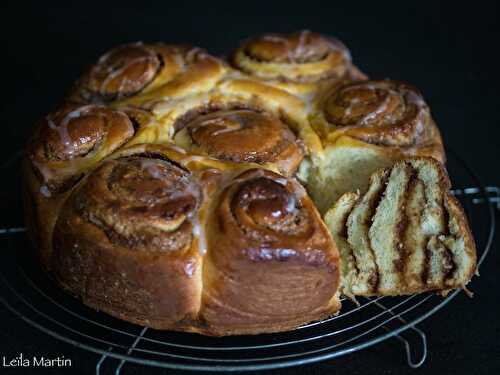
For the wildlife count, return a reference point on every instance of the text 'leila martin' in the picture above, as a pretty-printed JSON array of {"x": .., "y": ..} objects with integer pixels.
[{"x": 22, "y": 361}]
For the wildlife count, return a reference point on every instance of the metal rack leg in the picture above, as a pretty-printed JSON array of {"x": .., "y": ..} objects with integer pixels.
[
  {"x": 421, "y": 354},
  {"x": 103, "y": 358},
  {"x": 410, "y": 344}
]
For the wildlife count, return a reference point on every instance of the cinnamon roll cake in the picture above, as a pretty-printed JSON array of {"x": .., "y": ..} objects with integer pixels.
[{"x": 181, "y": 191}]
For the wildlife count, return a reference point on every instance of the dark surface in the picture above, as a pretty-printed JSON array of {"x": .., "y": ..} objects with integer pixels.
[{"x": 449, "y": 53}]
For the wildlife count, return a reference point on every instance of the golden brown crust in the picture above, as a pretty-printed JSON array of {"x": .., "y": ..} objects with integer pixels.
[
  {"x": 41, "y": 213},
  {"x": 69, "y": 141},
  {"x": 382, "y": 113},
  {"x": 240, "y": 121},
  {"x": 267, "y": 247},
  {"x": 242, "y": 135},
  {"x": 128, "y": 240},
  {"x": 136, "y": 72},
  {"x": 296, "y": 62},
  {"x": 65, "y": 145}
]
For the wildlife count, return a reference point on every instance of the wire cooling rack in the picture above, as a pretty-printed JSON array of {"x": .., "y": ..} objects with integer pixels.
[{"x": 33, "y": 296}]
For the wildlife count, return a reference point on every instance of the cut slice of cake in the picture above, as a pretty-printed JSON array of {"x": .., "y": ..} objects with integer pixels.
[{"x": 407, "y": 234}]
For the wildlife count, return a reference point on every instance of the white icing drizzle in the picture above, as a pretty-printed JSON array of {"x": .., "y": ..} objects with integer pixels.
[
  {"x": 282, "y": 40},
  {"x": 152, "y": 105},
  {"x": 106, "y": 56},
  {"x": 62, "y": 129},
  {"x": 124, "y": 82},
  {"x": 194, "y": 158},
  {"x": 281, "y": 180},
  {"x": 382, "y": 107},
  {"x": 44, "y": 190},
  {"x": 290, "y": 203},
  {"x": 162, "y": 106},
  {"x": 190, "y": 268},
  {"x": 178, "y": 149},
  {"x": 135, "y": 109},
  {"x": 179, "y": 61},
  {"x": 235, "y": 124},
  {"x": 239, "y": 179},
  {"x": 193, "y": 53},
  {"x": 414, "y": 98},
  {"x": 301, "y": 50},
  {"x": 113, "y": 73},
  {"x": 200, "y": 233},
  {"x": 43, "y": 169},
  {"x": 111, "y": 70},
  {"x": 338, "y": 46},
  {"x": 151, "y": 166},
  {"x": 286, "y": 253},
  {"x": 228, "y": 128},
  {"x": 198, "y": 229},
  {"x": 191, "y": 189},
  {"x": 205, "y": 56},
  {"x": 299, "y": 191},
  {"x": 302, "y": 41}
]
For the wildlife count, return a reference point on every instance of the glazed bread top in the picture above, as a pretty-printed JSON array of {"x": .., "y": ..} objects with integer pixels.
[
  {"x": 253, "y": 112},
  {"x": 384, "y": 113},
  {"x": 164, "y": 191},
  {"x": 135, "y": 69},
  {"x": 297, "y": 62}
]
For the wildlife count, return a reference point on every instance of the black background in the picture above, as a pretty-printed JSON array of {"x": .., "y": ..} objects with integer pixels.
[{"x": 448, "y": 51}]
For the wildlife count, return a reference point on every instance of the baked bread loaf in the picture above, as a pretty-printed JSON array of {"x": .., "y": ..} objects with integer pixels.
[
  {"x": 166, "y": 189},
  {"x": 407, "y": 234}
]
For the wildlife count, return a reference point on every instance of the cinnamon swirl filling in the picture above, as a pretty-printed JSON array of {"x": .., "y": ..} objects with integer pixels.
[
  {"x": 124, "y": 71},
  {"x": 141, "y": 203},
  {"x": 273, "y": 217},
  {"x": 302, "y": 56},
  {"x": 242, "y": 136},
  {"x": 134, "y": 69},
  {"x": 380, "y": 112},
  {"x": 73, "y": 137}
]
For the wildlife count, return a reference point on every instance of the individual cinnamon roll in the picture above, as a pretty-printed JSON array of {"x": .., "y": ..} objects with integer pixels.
[
  {"x": 130, "y": 240},
  {"x": 242, "y": 135},
  {"x": 135, "y": 72},
  {"x": 296, "y": 62},
  {"x": 240, "y": 121},
  {"x": 268, "y": 249},
  {"x": 71, "y": 139},
  {"x": 65, "y": 145},
  {"x": 364, "y": 126}
]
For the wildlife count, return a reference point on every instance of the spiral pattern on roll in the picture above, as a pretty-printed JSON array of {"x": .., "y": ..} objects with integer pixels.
[
  {"x": 381, "y": 112},
  {"x": 141, "y": 203},
  {"x": 242, "y": 136},
  {"x": 73, "y": 138}
]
